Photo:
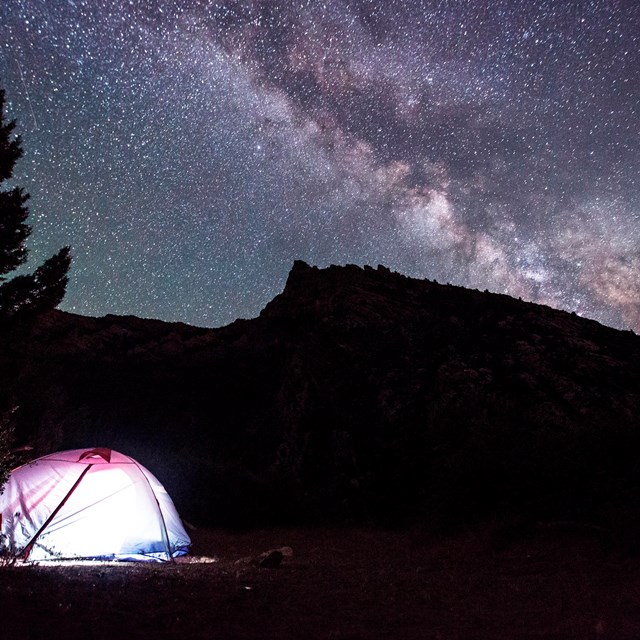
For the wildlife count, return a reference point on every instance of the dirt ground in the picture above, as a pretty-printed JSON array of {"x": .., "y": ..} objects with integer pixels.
[{"x": 339, "y": 584}]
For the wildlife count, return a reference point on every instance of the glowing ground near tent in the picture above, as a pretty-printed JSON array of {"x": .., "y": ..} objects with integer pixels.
[
  {"x": 341, "y": 583},
  {"x": 181, "y": 560}
]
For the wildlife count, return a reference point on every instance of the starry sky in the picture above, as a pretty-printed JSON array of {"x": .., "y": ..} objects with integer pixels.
[{"x": 190, "y": 151}]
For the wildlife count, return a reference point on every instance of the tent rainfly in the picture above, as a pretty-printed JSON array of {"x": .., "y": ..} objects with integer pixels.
[{"x": 89, "y": 504}]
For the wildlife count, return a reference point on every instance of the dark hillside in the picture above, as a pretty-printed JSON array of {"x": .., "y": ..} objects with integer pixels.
[{"x": 357, "y": 392}]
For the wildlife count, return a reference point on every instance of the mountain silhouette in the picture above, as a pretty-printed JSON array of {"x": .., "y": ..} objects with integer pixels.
[{"x": 357, "y": 393}]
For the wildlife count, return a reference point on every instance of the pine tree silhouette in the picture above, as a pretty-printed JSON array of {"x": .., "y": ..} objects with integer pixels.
[{"x": 23, "y": 296}]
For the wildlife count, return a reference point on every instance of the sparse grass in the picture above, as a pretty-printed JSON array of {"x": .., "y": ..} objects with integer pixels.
[
  {"x": 7, "y": 553},
  {"x": 340, "y": 584}
]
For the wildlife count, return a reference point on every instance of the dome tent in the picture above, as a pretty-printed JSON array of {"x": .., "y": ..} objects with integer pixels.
[{"x": 83, "y": 504}]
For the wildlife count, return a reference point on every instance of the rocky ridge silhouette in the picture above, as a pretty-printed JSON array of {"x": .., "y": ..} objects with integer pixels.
[{"x": 357, "y": 393}]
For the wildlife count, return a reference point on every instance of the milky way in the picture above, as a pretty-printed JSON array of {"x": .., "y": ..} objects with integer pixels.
[{"x": 190, "y": 151}]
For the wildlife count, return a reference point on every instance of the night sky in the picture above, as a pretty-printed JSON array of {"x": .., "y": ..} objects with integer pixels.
[{"x": 190, "y": 151}]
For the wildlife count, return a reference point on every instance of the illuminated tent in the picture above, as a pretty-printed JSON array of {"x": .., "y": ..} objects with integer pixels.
[{"x": 94, "y": 503}]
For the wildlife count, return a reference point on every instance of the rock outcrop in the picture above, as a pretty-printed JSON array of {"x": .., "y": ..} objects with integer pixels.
[{"x": 357, "y": 392}]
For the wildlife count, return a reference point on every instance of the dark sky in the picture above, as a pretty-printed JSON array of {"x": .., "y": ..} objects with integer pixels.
[{"x": 189, "y": 151}]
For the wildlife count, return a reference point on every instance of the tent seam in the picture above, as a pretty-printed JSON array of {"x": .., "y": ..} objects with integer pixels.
[
  {"x": 47, "y": 522},
  {"x": 155, "y": 497}
]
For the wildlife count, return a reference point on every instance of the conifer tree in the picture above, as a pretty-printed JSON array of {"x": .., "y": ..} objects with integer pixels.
[
  {"x": 23, "y": 296},
  {"x": 6, "y": 457}
]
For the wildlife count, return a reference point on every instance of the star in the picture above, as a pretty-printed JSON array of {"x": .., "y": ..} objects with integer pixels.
[{"x": 190, "y": 152}]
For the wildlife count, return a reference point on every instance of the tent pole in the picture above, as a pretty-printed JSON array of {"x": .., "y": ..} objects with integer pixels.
[
  {"x": 163, "y": 530},
  {"x": 29, "y": 547}
]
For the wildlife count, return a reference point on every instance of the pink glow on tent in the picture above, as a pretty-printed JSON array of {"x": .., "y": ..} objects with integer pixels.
[{"x": 94, "y": 503}]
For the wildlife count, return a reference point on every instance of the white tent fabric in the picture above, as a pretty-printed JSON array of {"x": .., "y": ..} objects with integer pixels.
[{"x": 94, "y": 503}]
